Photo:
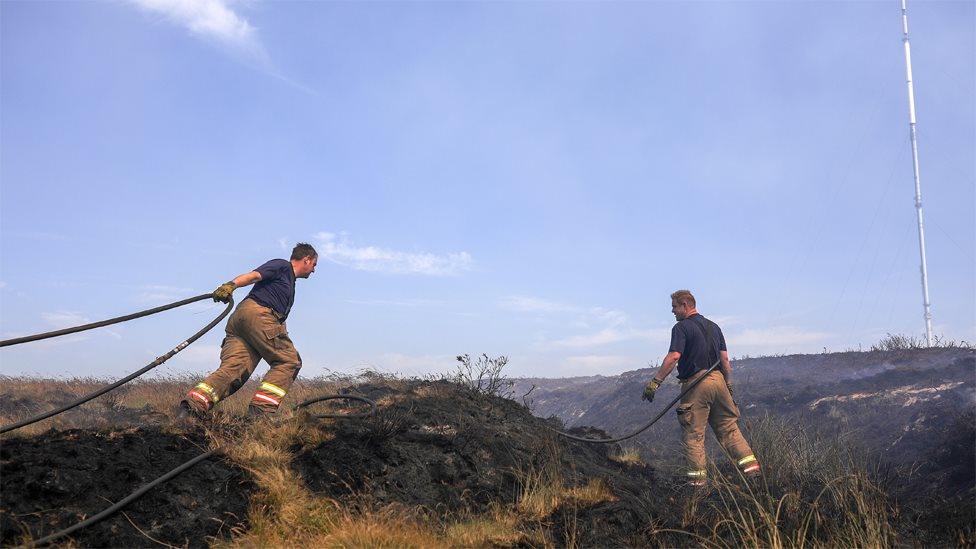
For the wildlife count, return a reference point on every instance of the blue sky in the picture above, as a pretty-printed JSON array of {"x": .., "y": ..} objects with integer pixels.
[{"x": 522, "y": 178}]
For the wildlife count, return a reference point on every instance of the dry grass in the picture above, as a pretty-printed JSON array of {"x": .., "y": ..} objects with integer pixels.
[
  {"x": 813, "y": 494},
  {"x": 498, "y": 527},
  {"x": 542, "y": 486},
  {"x": 628, "y": 456},
  {"x": 133, "y": 403}
]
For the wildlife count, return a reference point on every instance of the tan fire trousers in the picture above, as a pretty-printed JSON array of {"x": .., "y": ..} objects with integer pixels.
[
  {"x": 710, "y": 403},
  {"x": 253, "y": 333}
]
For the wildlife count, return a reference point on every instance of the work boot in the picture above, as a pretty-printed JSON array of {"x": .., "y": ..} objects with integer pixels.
[
  {"x": 254, "y": 412},
  {"x": 185, "y": 412}
]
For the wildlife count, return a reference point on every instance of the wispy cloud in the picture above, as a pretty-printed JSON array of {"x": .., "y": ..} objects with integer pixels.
[
  {"x": 64, "y": 319},
  {"x": 596, "y": 364},
  {"x": 157, "y": 293},
  {"x": 409, "y": 302},
  {"x": 607, "y": 336},
  {"x": 603, "y": 326},
  {"x": 211, "y": 19},
  {"x": 198, "y": 354},
  {"x": 340, "y": 250},
  {"x": 528, "y": 304},
  {"x": 780, "y": 338},
  {"x": 216, "y": 21},
  {"x": 60, "y": 320},
  {"x": 413, "y": 365}
]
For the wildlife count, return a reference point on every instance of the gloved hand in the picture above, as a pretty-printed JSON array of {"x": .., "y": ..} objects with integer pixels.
[
  {"x": 652, "y": 387},
  {"x": 224, "y": 291}
]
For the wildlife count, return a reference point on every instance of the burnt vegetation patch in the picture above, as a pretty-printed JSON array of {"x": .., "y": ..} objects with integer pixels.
[
  {"x": 51, "y": 481},
  {"x": 452, "y": 462}
]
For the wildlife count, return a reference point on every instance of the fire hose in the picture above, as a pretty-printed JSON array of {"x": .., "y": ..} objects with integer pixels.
[
  {"x": 159, "y": 360},
  {"x": 646, "y": 425},
  {"x": 109, "y": 511}
]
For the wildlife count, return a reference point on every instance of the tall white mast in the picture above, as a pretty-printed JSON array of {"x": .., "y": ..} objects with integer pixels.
[{"x": 918, "y": 185}]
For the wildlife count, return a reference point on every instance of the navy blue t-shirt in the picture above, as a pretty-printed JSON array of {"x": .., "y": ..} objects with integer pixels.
[
  {"x": 276, "y": 289},
  {"x": 688, "y": 338}
]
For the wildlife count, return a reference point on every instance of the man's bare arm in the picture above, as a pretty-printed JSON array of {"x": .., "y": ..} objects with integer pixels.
[
  {"x": 725, "y": 366},
  {"x": 246, "y": 279},
  {"x": 669, "y": 362}
]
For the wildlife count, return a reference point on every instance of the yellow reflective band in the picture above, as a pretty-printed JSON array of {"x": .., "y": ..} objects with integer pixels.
[
  {"x": 265, "y": 386},
  {"x": 696, "y": 473},
  {"x": 209, "y": 390},
  {"x": 747, "y": 459}
]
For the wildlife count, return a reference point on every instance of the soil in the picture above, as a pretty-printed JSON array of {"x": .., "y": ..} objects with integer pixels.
[
  {"x": 431, "y": 446},
  {"x": 51, "y": 481},
  {"x": 455, "y": 451}
]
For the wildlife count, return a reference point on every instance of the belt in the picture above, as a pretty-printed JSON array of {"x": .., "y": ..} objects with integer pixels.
[
  {"x": 280, "y": 317},
  {"x": 695, "y": 376}
]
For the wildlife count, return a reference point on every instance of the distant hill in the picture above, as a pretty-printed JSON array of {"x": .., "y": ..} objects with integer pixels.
[{"x": 903, "y": 405}]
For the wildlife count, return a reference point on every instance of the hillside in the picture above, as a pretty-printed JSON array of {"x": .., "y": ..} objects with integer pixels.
[
  {"x": 434, "y": 453},
  {"x": 892, "y": 401},
  {"x": 909, "y": 412},
  {"x": 443, "y": 464}
]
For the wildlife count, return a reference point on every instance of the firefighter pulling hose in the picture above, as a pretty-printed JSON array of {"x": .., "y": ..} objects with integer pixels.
[
  {"x": 256, "y": 331},
  {"x": 706, "y": 392},
  {"x": 126, "y": 379},
  {"x": 272, "y": 274}
]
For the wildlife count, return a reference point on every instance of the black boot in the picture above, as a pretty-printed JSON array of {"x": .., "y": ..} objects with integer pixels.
[
  {"x": 253, "y": 412},
  {"x": 185, "y": 411}
]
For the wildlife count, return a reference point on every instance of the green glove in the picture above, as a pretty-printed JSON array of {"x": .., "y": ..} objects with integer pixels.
[
  {"x": 223, "y": 292},
  {"x": 652, "y": 387}
]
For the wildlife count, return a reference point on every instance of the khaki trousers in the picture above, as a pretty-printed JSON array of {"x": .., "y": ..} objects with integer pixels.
[
  {"x": 710, "y": 403},
  {"x": 253, "y": 332}
]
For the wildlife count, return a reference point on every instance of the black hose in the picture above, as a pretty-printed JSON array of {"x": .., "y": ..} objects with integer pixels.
[
  {"x": 99, "y": 324},
  {"x": 370, "y": 403},
  {"x": 647, "y": 425},
  {"x": 122, "y": 503},
  {"x": 130, "y": 377}
]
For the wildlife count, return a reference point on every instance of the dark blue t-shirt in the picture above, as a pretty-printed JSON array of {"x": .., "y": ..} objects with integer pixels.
[
  {"x": 276, "y": 289},
  {"x": 688, "y": 338}
]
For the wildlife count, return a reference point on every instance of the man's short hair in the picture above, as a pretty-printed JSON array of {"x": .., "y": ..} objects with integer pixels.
[
  {"x": 303, "y": 250},
  {"x": 683, "y": 297}
]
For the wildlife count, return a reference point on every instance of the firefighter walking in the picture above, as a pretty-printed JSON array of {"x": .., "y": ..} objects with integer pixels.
[
  {"x": 696, "y": 344},
  {"x": 257, "y": 330}
]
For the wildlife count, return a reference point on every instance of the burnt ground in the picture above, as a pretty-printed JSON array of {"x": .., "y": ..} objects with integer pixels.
[
  {"x": 54, "y": 480},
  {"x": 449, "y": 451},
  {"x": 432, "y": 446}
]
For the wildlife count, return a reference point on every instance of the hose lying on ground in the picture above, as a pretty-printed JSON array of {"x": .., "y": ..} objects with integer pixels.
[
  {"x": 109, "y": 511},
  {"x": 646, "y": 425},
  {"x": 371, "y": 411},
  {"x": 126, "y": 379}
]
